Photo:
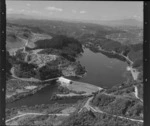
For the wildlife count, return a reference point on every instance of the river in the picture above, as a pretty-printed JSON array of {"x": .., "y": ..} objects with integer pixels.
[
  {"x": 101, "y": 71},
  {"x": 41, "y": 97}
]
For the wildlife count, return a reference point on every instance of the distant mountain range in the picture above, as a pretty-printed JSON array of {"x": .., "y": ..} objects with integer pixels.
[
  {"x": 122, "y": 22},
  {"x": 21, "y": 16}
]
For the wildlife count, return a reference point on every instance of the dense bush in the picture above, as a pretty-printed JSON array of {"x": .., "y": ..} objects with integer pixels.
[
  {"x": 138, "y": 63},
  {"x": 111, "y": 55},
  {"x": 80, "y": 70},
  {"x": 20, "y": 55},
  {"x": 136, "y": 110},
  {"x": 89, "y": 118},
  {"x": 50, "y": 51},
  {"x": 11, "y": 37},
  {"x": 48, "y": 72},
  {"x": 60, "y": 42},
  {"x": 83, "y": 119},
  {"x": 102, "y": 100},
  {"x": 67, "y": 47},
  {"x": 63, "y": 90},
  {"x": 25, "y": 70},
  {"x": 122, "y": 106},
  {"x": 140, "y": 90},
  {"x": 137, "y": 47},
  {"x": 126, "y": 50},
  {"x": 140, "y": 76}
]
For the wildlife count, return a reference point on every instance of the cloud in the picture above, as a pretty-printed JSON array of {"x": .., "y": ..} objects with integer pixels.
[
  {"x": 136, "y": 16},
  {"x": 28, "y": 4},
  {"x": 36, "y": 12},
  {"x": 30, "y": 11},
  {"x": 74, "y": 11},
  {"x": 22, "y": 10},
  {"x": 82, "y": 12},
  {"x": 10, "y": 9},
  {"x": 54, "y": 9}
]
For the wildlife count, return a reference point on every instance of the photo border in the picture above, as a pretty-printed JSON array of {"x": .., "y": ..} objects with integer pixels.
[
  {"x": 146, "y": 58},
  {"x": 2, "y": 61}
]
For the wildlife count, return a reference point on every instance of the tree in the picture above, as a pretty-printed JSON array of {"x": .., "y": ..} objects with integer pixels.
[{"x": 48, "y": 72}]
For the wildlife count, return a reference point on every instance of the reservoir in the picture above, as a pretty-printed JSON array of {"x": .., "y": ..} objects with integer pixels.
[{"x": 101, "y": 71}]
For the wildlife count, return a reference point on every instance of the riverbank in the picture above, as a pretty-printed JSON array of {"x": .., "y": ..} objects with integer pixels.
[
  {"x": 20, "y": 93},
  {"x": 87, "y": 88},
  {"x": 75, "y": 86},
  {"x": 30, "y": 79},
  {"x": 75, "y": 90},
  {"x": 130, "y": 68},
  {"x": 18, "y": 88}
]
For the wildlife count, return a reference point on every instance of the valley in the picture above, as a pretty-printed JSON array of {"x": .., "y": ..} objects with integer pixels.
[{"x": 105, "y": 93}]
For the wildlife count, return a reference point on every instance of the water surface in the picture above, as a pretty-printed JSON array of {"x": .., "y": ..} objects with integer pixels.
[
  {"x": 101, "y": 70},
  {"x": 41, "y": 97}
]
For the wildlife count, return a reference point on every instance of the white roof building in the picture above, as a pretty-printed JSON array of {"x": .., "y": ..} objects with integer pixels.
[{"x": 64, "y": 81}]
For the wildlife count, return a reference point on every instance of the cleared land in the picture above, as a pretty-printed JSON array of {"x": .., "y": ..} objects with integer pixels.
[{"x": 82, "y": 87}]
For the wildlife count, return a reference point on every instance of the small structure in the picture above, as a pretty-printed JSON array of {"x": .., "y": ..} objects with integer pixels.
[
  {"x": 64, "y": 81},
  {"x": 128, "y": 68},
  {"x": 100, "y": 89}
]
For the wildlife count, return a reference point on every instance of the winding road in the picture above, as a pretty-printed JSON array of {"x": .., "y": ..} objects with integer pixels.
[
  {"x": 30, "y": 79},
  {"x": 87, "y": 104},
  {"x": 24, "y": 114},
  {"x": 96, "y": 109}
]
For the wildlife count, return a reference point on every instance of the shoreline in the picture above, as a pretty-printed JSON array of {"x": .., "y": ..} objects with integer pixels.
[
  {"x": 30, "y": 79},
  {"x": 80, "y": 84},
  {"x": 24, "y": 94},
  {"x": 76, "y": 89},
  {"x": 130, "y": 68}
]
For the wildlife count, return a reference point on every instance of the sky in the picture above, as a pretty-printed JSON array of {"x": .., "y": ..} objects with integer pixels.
[{"x": 78, "y": 10}]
